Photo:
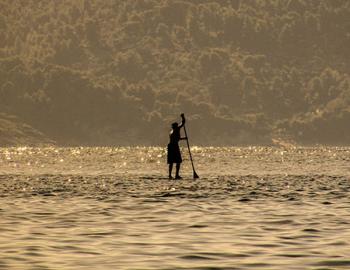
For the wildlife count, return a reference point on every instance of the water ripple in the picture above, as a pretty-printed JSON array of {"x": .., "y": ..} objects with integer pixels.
[{"x": 107, "y": 208}]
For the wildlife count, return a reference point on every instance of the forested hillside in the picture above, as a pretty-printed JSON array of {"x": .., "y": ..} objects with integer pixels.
[{"x": 110, "y": 72}]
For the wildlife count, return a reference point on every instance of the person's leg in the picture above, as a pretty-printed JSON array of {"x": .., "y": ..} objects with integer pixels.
[
  {"x": 178, "y": 165},
  {"x": 170, "y": 169}
]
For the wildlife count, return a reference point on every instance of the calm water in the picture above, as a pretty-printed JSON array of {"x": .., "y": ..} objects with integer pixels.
[{"x": 112, "y": 208}]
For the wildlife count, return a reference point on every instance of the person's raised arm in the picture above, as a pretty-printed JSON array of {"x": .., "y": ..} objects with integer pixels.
[
  {"x": 182, "y": 124},
  {"x": 183, "y": 120}
]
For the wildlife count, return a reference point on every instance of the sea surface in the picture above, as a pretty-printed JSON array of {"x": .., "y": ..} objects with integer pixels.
[{"x": 114, "y": 208}]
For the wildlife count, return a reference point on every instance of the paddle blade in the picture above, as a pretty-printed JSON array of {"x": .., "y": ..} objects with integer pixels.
[{"x": 195, "y": 175}]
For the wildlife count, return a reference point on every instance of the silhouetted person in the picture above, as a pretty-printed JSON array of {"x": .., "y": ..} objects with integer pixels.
[{"x": 174, "y": 154}]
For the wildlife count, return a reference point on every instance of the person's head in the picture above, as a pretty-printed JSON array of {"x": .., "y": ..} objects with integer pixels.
[{"x": 174, "y": 125}]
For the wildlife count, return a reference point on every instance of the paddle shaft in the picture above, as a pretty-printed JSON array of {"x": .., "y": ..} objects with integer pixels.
[{"x": 189, "y": 150}]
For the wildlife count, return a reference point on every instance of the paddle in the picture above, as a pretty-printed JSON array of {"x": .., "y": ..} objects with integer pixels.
[{"x": 195, "y": 175}]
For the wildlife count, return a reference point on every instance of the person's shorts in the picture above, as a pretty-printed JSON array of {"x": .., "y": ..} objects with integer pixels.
[{"x": 174, "y": 154}]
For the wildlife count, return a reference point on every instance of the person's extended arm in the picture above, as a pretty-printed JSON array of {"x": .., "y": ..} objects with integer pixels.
[
  {"x": 183, "y": 120},
  {"x": 182, "y": 124}
]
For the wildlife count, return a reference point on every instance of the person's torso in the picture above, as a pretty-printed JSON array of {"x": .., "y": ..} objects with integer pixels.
[{"x": 174, "y": 136}]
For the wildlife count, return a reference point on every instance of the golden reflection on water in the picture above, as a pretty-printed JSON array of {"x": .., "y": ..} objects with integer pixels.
[{"x": 228, "y": 160}]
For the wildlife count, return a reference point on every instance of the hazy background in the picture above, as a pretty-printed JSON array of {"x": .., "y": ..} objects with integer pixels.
[{"x": 102, "y": 72}]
